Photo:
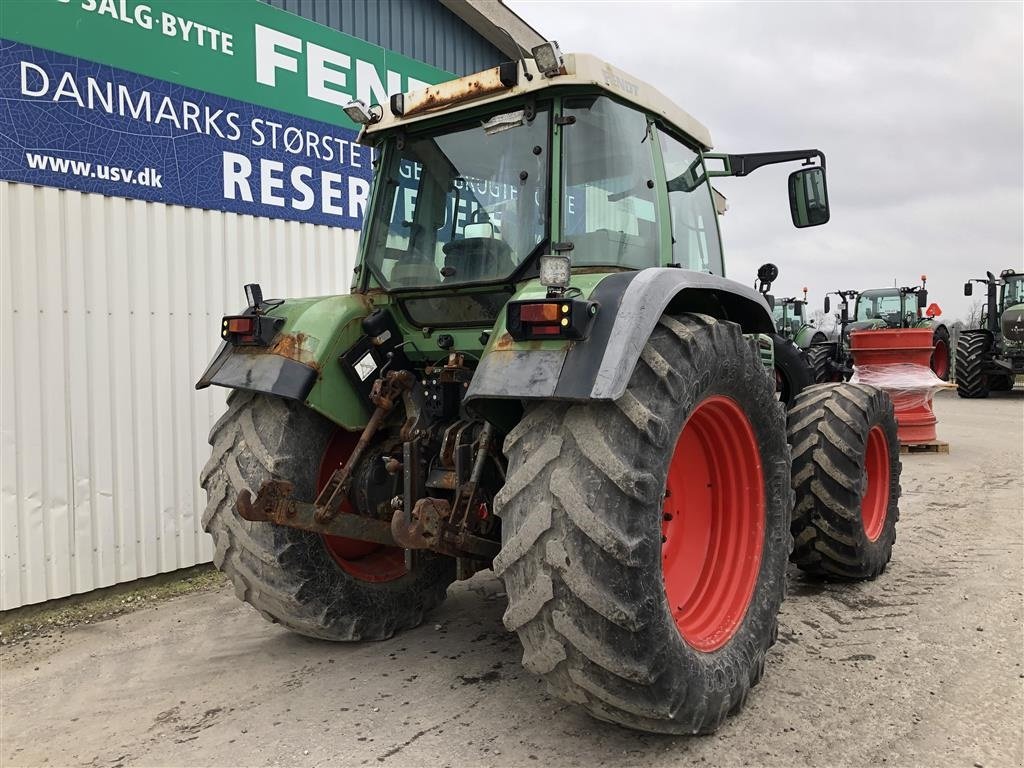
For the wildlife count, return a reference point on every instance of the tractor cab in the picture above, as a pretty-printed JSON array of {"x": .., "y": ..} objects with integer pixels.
[
  {"x": 891, "y": 307},
  {"x": 1012, "y": 292},
  {"x": 789, "y": 315}
]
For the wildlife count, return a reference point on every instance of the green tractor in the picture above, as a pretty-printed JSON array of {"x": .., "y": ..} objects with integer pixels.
[
  {"x": 541, "y": 369},
  {"x": 992, "y": 356},
  {"x": 792, "y": 371},
  {"x": 905, "y": 307},
  {"x": 791, "y": 322},
  {"x": 878, "y": 309},
  {"x": 830, "y": 360}
]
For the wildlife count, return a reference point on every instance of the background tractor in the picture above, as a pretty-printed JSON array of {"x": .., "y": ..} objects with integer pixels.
[
  {"x": 542, "y": 369},
  {"x": 792, "y": 371},
  {"x": 878, "y": 309},
  {"x": 905, "y": 307},
  {"x": 831, "y": 361},
  {"x": 791, "y": 322},
  {"x": 991, "y": 356}
]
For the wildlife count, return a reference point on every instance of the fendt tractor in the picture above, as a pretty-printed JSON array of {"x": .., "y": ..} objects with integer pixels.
[
  {"x": 906, "y": 307},
  {"x": 541, "y": 369},
  {"x": 878, "y": 309},
  {"x": 791, "y": 322},
  {"x": 991, "y": 356},
  {"x": 792, "y": 370}
]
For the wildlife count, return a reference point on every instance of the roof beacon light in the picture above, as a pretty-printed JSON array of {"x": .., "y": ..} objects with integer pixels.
[
  {"x": 548, "y": 58},
  {"x": 361, "y": 114}
]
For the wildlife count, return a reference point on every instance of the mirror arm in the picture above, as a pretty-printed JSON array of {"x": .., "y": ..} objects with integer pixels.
[{"x": 741, "y": 165}]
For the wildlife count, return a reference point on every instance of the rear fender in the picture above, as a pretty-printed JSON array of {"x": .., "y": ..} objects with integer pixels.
[
  {"x": 301, "y": 361},
  {"x": 599, "y": 367}
]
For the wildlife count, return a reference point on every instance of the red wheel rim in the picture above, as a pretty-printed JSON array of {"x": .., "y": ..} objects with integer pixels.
[
  {"x": 940, "y": 359},
  {"x": 876, "y": 498},
  {"x": 363, "y": 560},
  {"x": 713, "y": 528}
]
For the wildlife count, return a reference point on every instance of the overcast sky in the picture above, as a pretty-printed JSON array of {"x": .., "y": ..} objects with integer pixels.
[{"x": 917, "y": 107}]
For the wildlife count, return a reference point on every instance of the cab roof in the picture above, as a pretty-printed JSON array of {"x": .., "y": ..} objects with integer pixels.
[{"x": 580, "y": 69}]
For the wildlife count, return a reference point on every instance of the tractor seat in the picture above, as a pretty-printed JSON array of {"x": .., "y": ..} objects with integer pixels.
[
  {"x": 415, "y": 273},
  {"x": 477, "y": 256}
]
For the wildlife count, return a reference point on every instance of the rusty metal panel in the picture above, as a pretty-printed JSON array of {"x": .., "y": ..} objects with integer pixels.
[{"x": 110, "y": 312}]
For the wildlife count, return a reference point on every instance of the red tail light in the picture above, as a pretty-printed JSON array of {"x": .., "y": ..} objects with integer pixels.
[{"x": 550, "y": 319}]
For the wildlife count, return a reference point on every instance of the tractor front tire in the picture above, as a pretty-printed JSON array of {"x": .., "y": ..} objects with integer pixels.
[
  {"x": 289, "y": 575},
  {"x": 971, "y": 380},
  {"x": 645, "y": 541},
  {"x": 819, "y": 357},
  {"x": 846, "y": 475}
]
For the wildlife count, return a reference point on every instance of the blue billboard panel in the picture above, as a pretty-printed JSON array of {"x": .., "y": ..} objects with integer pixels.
[{"x": 75, "y": 124}]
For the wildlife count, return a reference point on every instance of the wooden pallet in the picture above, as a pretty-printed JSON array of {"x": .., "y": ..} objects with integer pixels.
[{"x": 932, "y": 446}]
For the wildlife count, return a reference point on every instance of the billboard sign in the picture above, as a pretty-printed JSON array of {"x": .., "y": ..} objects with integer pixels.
[{"x": 227, "y": 104}]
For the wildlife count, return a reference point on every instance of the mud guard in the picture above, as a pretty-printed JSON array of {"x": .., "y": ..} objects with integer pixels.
[
  {"x": 255, "y": 370},
  {"x": 315, "y": 332},
  {"x": 599, "y": 368}
]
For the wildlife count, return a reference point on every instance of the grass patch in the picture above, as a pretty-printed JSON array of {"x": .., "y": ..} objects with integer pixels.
[{"x": 64, "y": 613}]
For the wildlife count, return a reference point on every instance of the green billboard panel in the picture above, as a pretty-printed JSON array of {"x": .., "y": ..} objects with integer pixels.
[{"x": 242, "y": 49}]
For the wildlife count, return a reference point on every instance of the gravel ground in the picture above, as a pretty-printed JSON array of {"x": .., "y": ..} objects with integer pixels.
[{"x": 921, "y": 667}]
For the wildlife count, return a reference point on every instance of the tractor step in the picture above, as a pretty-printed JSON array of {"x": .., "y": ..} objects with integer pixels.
[{"x": 931, "y": 446}]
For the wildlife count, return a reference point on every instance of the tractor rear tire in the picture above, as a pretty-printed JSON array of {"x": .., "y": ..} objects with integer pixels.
[
  {"x": 971, "y": 381},
  {"x": 940, "y": 355},
  {"x": 591, "y": 513},
  {"x": 818, "y": 358},
  {"x": 846, "y": 475},
  {"x": 792, "y": 372},
  {"x": 288, "y": 574}
]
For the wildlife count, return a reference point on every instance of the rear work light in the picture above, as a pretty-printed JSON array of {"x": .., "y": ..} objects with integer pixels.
[{"x": 550, "y": 319}]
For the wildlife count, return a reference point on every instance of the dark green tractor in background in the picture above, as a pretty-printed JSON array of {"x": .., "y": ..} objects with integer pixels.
[
  {"x": 879, "y": 309},
  {"x": 905, "y": 307},
  {"x": 542, "y": 369},
  {"x": 991, "y": 357}
]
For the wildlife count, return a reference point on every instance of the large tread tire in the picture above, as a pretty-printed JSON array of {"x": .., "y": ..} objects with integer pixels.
[
  {"x": 940, "y": 340},
  {"x": 793, "y": 373},
  {"x": 818, "y": 358},
  {"x": 829, "y": 425},
  {"x": 285, "y": 573},
  {"x": 971, "y": 381},
  {"x": 582, "y": 512}
]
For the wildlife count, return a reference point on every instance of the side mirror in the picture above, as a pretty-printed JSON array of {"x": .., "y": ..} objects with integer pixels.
[
  {"x": 770, "y": 299},
  {"x": 808, "y": 197},
  {"x": 922, "y": 299},
  {"x": 798, "y": 307},
  {"x": 968, "y": 289},
  {"x": 828, "y": 305}
]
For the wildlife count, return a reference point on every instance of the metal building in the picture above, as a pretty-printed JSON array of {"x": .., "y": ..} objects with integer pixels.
[{"x": 112, "y": 296}]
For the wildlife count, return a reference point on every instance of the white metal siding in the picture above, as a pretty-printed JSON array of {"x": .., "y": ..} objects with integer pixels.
[{"x": 110, "y": 312}]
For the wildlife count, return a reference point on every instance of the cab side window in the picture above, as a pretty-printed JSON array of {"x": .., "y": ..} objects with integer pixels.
[
  {"x": 695, "y": 243},
  {"x": 608, "y": 205}
]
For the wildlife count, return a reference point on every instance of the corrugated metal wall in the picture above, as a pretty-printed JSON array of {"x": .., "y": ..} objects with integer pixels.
[
  {"x": 110, "y": 312},
  {"x": 439, "y": 37}
]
